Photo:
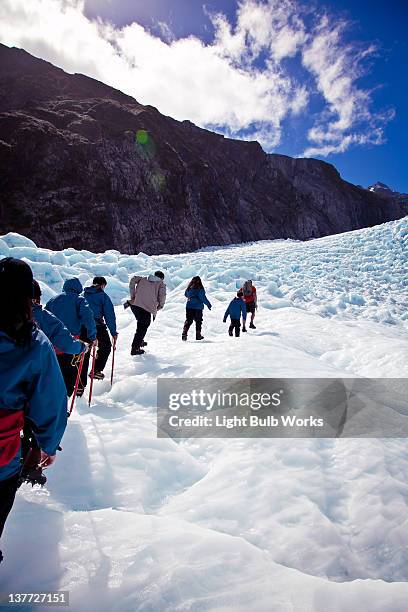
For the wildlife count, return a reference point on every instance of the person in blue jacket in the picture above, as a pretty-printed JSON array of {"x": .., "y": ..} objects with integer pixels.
[
  {"x": 53, "y": 328},
  {"x": 235, "y": 309},
  {"x": 105, "y": 319},
  {"x": 31, "y": 385},
  {"x": 74, "y": 311},
  {"x": 196, "y": 298}
]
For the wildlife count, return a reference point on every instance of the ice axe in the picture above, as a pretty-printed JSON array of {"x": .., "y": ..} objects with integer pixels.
[
  {"x": 113, "y": 358},
  {"x": 78, "y": 378},
  {"x": 92, "y": 373}
]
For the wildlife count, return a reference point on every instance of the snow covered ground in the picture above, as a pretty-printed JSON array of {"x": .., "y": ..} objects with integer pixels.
[{"x": 132, "y": 522}]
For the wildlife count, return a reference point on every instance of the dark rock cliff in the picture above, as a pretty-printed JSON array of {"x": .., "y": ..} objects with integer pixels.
[
  {"x": 85, "y": 166},
  {"x": 385, "y": 192}
]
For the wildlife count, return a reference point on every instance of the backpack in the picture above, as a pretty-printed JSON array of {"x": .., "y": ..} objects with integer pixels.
[
  {"x": 11, "y": 423},
  {"x": 247, "y": 288}
]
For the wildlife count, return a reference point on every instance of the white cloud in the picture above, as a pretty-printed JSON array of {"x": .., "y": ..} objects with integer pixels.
[
  {"x": 348, "y": 118},
  {"x": 165, "y": 31},
  {"x": 238, "y": 83}
]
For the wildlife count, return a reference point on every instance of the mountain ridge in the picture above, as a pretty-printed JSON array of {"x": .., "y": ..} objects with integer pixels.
[{"x": 87, "y": 166}]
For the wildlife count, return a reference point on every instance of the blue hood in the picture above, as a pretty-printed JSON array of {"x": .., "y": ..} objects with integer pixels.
[
  {"x": 73, "y": 309},
  {"x": 72, "y": 285}
]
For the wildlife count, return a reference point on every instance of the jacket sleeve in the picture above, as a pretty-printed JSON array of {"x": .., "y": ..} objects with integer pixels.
[
  {"x": 255, "y": 297},
  {"x": 243, "y": 310},
  {"x": 50, "y": 305},
  {"x": 59, "y": 335},
  {"x": 47, "y": 401},
  {"x": 226, "y": 313},
  {"x": 161, "y": 298},
  {"x": 132, "y": 286},
  {"x": 86, "y": 317},
  {"x": 109, "y": 314},
  {"x": 204, "y": 299}
]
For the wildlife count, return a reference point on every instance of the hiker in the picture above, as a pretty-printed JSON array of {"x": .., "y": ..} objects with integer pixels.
[
  {"x": 147, "y": 296},
  {"x": 31, "y": 384},
  {"x": 196, "y": 298},
  {"x": 235, "y": 309},
  {"x": 249, "y": 292},
  {"x": 74, "y": 311},
  {"x": 105, "y": 319},
  {"x": 53, "y": 328}
]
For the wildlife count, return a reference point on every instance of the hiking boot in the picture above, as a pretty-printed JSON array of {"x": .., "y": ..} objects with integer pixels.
[
  {"x": 230, "y": 332},
  {"x": 252, "y": 326},
  {"x": 80, "y": 392},
  {"x": 244, "y": 329},
  {"x": 185, "y": 331},
  {"x": 137, "y": 351},
  {"x": 97, "y": 375},
  {"x": 199, "y": 337}
]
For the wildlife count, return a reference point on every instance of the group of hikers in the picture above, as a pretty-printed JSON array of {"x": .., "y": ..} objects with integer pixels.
[
  {"x": 45, "y": 354},
  {"x": 244, "y": 302},
  {"x": 148, "y": 296}
]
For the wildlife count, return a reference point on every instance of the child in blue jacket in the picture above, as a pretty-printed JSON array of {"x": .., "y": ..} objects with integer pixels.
[
  {"x": 196, "y": 298},
  {"x": 74, "y": 311},
  {"x": 235, "y": 309},
  {"x": 31, "y": 385}
]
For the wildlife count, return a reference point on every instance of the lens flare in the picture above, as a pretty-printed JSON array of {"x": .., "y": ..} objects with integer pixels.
[
  {"x": 142, "y": 137},
  {"x": 144, "y": 145}
]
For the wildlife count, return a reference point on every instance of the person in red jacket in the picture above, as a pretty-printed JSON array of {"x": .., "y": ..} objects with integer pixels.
[{"x": 249, "y": 293}]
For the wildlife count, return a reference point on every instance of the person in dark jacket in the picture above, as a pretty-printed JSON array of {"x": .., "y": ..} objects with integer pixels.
[
  {"x": 196, "y": 298},
  {"x": 53, "y": 328},
  {"x": 76, "y": 314},
  {"x": 236, "y": 308},
  {"x": 31, "y": 385},
  {"x": 105, "y": 319}
]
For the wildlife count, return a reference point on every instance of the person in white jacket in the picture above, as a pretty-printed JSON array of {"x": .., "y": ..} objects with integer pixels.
[{"x": 147, "y": 296}]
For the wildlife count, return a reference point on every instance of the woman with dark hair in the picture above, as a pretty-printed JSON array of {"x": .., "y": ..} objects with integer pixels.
[
  {"x": 196, "y": 298},
  {"x": 32, "y": 389}
]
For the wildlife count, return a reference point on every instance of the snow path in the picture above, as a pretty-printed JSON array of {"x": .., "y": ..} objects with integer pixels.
[{"x": 132, "y": 522}]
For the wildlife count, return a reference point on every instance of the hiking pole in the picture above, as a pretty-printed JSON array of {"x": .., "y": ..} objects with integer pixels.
[
  {"x": 113, "y": 358},
  {"x": 92, "y": 373},
  {"x": 78, "y": 378}
]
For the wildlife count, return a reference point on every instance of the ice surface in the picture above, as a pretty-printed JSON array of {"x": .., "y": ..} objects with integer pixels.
[{"x": 132, "y": 522}]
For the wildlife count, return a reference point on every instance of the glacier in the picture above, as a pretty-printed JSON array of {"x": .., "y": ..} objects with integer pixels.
[{"x": 130, "y": 522}]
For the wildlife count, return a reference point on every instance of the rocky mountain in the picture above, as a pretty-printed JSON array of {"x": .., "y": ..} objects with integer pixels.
[
  {"x": 86, "y": 166},
  {"x": 381, "y": 189},
  {"x": 386, "y": 192}
]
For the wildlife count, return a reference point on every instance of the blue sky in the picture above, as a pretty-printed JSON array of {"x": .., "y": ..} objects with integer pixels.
[
  {"x": 382, "y": 22},
  {"x": 322, "y": 79}
]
